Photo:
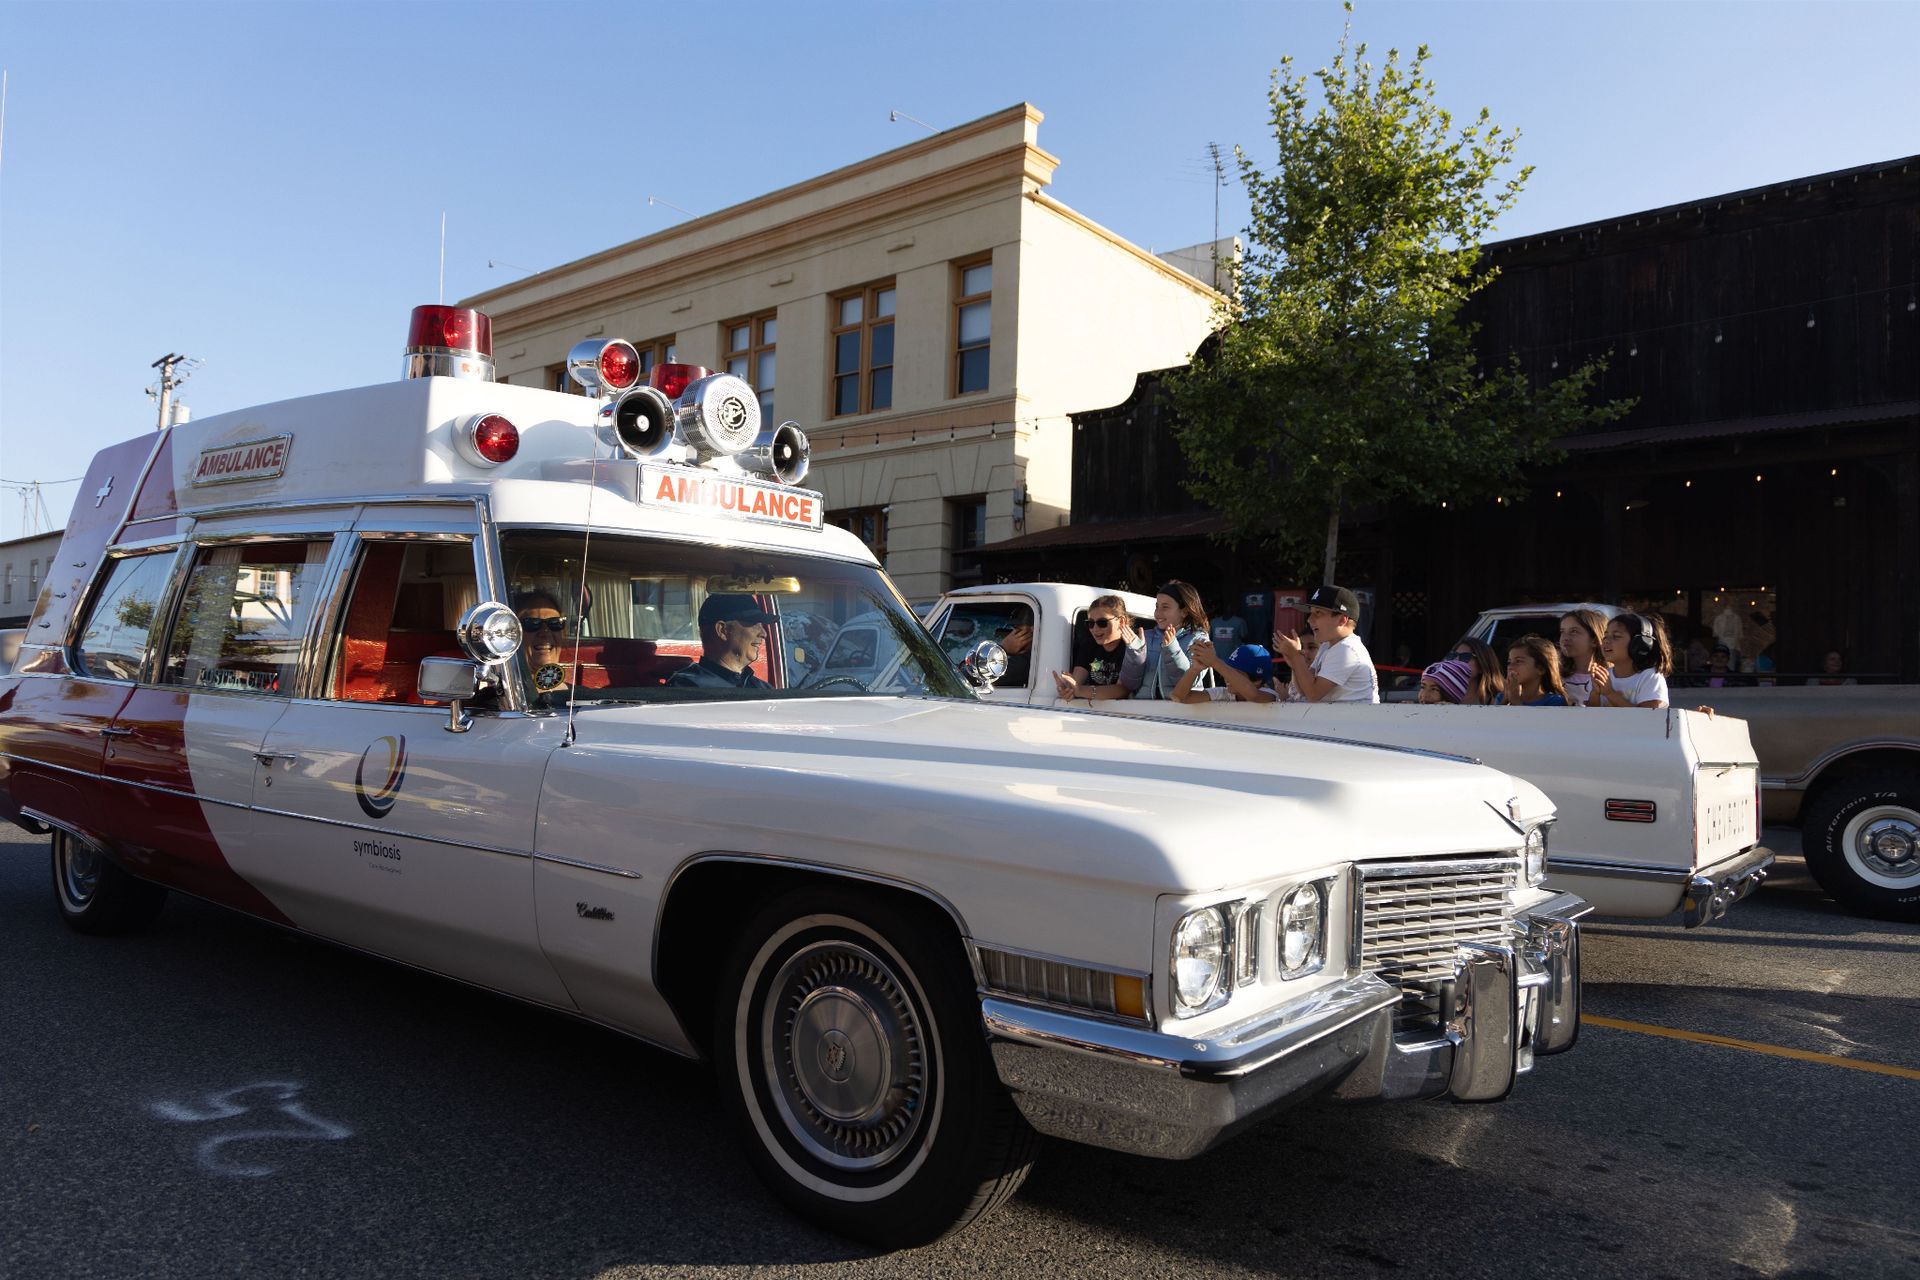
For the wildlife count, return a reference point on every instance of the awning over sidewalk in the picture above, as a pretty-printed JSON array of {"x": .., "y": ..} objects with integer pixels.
[{"x": 1195, "y": 524}]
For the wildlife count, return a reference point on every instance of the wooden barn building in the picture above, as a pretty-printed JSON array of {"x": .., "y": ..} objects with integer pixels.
[{"x": 1763, "y": 490}]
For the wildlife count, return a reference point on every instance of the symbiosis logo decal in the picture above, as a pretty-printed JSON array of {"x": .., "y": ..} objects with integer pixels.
[{"x": 388, "y": 756}]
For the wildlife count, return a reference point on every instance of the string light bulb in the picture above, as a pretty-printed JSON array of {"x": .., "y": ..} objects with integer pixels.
[
  {"x": 1719, "y": 335},
  {"x": 1810, "y": 320}
]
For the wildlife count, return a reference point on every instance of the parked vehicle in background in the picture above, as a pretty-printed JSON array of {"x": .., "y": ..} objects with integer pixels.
[
  {"x": 1657, "y": 810},
  {"x": 1842, "y": 763},
  {"x": 1501, "y": 627},
  {"x": 10, "y": 648}
]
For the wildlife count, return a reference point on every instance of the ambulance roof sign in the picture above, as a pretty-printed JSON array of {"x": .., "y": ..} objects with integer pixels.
[
  {"x": 249, "y": 460},
  {"x": 729, "y": 497}
]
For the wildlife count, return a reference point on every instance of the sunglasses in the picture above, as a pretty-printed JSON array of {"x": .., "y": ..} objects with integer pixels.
[
  {"x": 538, "y": 624},
  {"x": 1101, "y": 624}
]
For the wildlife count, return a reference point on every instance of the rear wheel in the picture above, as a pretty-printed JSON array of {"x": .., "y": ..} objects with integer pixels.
[
  {"x": 1861, "y": 837},
  {"x": 848, "y": 1044},
  {"x": 94, "y": 895}
]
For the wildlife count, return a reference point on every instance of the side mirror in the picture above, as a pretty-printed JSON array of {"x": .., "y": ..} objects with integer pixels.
[
  {"x": 453, "y": 681},
  {"x": 984, "y": 664}
]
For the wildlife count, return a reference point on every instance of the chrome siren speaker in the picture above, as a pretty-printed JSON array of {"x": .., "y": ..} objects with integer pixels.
[
  {"x": 782, "y": 453},
  {"x": 643, "y": 422},
  {"x": 719, "y": 416}
]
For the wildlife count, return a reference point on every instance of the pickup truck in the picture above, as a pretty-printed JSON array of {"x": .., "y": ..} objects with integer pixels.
[
  {"x": 1657, "y": 811},
  {"x": 1841, "y": 762}
]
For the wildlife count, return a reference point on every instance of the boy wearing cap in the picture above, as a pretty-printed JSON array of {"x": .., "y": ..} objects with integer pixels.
[
  {"x": 1244, "y": 675},
  {"x": 1343, "y": 669},
  {"x": 733, "y": 628}
]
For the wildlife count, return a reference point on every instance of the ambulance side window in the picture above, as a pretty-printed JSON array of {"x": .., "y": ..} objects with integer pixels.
[
  {"x": 119, "y": 630},
  {"x": 244, "y": 616},
  {"x": 407, "y": 599}
]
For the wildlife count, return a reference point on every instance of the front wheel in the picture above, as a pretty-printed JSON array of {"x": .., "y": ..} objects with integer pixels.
[
  {"x": 94, "y": 895},
  {"x": 848, "y": 1045},
  {"x": 1861, "y": 837}
]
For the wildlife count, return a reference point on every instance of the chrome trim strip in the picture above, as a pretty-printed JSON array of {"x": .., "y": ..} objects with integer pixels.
[
  {"x": 1377, "y": 870},
  {"x": 133, "y": 495},
  {"x": 390, "y": 833},
  {"x": 1618, "y": 870},
  {"x": 57, "y": 825},
  {"x": 588, "y": 866},
  {"x": 1795, "y": 781}
]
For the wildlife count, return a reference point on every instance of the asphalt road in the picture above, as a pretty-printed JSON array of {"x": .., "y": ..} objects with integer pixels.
[{"x": 222, "y": 1098}]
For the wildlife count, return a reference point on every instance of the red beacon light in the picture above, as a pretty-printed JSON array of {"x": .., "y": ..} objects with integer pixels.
[
  {"x": 604, "y": 366},
  {"x": 672, "y": 379},
  {"x": 487, "y": 439},
  {"x": 450, "y": 342}
]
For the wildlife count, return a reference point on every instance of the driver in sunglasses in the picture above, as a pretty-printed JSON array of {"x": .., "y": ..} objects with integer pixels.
[
  {"x": 1110, "y": 646},
  {"x": 543, "y": 625}
]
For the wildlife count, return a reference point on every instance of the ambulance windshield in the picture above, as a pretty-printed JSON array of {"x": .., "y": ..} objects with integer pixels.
[{"x": 661, "y": 621}]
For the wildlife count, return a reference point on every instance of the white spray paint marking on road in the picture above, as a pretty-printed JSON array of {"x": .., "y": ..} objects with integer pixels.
[{"x": 277, "y": 1096}]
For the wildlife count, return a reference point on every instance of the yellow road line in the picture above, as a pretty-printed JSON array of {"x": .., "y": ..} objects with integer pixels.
[{"x": 1778, "y": 1051}]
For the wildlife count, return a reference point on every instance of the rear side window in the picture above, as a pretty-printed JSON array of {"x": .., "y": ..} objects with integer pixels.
[
  {"x": 244, "y": 616},
  {"x": 119, "y": 630}
]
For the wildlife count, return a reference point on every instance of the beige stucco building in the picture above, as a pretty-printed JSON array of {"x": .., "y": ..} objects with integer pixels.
[{"x": 930, "y": 316}]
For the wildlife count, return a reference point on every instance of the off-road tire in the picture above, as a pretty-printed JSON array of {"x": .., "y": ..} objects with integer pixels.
[
  {"x": 1833, "y": 832},
  {"x": 849, "y": 1052},
  {"x": 95, "y": 896}
]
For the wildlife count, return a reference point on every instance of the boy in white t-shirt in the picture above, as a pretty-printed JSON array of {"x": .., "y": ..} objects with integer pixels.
[{"x": 1343, "y": 669}]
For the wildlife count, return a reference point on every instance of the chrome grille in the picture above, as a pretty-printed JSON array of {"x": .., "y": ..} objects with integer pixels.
[{"x": 1414, "y": 916}]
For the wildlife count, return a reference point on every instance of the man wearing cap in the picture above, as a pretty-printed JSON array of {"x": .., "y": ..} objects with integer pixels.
[
  {"x": 1343, "y": 669},
  {"x": 1244, "y": 674},
  {"x": 733, "y": 628}
]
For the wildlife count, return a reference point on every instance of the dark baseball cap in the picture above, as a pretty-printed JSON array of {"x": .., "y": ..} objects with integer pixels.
[
  {"x": 730, "y": 607},
  {"x": 1338, "y": 599}
]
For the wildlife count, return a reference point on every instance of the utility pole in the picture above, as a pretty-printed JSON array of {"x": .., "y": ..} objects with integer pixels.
[
  {"x": 165, "y": 364},
  {"x": 1219, "y": 181}
]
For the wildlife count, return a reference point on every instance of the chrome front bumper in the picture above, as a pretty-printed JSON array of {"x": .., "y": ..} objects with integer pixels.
[
  {"x": 1155, "y": 1094},
  {"x": 1713, "y": 890}
]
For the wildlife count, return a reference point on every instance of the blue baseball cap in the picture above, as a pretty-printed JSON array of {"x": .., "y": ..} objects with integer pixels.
[{"x": 1252, "y": 660}]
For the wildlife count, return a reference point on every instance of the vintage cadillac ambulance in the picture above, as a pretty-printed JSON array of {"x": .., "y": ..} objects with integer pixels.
[{"x": 528, "y": 689}]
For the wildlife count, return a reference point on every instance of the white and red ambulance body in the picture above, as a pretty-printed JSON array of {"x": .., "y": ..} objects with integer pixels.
[{"x": 235, "y": 685}]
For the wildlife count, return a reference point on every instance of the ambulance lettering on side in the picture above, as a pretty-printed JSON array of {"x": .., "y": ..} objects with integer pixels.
[{"x": 579, "y": 698}]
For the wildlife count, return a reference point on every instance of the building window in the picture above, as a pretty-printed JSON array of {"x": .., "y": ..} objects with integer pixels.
[
  {"x": 973, "y": 323},
  {"x": 658, "y": 351},
  {"x": 33, "y": 579},
  {"x": 557, "y": 380},
  {"x": 869, "y": 524},
  {"x": 863, "y": 350},
  {"x": 750, "y": 356},
  {"x": 7, "y": 587},
  {"x": 969, "y": 533}
]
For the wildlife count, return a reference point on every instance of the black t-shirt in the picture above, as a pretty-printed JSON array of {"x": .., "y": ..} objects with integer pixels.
[{"x": 1102, "y": 664}]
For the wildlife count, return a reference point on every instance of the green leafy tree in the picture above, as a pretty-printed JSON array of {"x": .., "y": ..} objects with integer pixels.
[{"x": 1344, "y": 372}]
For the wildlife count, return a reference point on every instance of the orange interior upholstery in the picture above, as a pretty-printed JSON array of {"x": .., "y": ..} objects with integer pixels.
[{"x": 377, "y": 662}]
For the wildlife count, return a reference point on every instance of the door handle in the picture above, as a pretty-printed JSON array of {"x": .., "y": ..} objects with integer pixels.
[
  {"x": 268, "y": 757},
  {"x": 111, "y": 732}
]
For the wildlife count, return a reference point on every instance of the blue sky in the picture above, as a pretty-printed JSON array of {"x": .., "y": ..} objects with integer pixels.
[{"x": 260, "y": 185}]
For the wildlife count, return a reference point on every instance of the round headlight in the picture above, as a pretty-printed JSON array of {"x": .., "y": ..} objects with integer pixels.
[
  {"x": 490, "y": 633},
  {"x": 1537, "y": 854},
  {"x": 1303, "y": 922},
  {"x": 1199, "y": 959}
]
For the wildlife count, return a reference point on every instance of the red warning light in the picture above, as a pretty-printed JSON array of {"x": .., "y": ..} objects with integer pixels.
[
  {"x": 493, "y": 438},
  {"x": 438, "y": 328},
  {"x": 671, "y": 379}
]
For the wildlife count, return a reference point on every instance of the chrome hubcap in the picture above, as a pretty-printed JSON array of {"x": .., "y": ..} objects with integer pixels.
[
  {"x": 848, "y": 1055},
  {"x": 1886, "y": 842},
  {"x": 79, "y": 872}
]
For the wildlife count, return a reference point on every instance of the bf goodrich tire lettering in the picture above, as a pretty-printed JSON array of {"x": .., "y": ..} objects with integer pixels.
[{"x": 1859, "y": 837}]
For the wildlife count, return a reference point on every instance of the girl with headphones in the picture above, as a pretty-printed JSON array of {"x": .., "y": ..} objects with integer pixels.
[{"x": 1639, "y": 659}]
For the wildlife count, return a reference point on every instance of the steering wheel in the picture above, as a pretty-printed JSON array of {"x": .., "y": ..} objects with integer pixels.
[{"x": 830, "y": 681}]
